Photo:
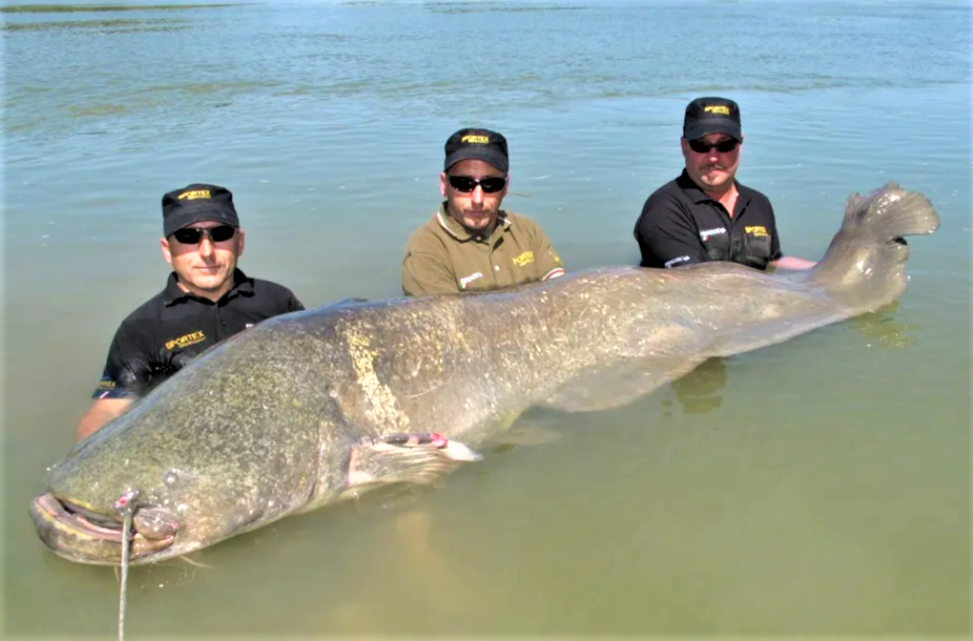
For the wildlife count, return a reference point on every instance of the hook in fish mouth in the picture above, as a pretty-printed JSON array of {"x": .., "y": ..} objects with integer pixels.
[{"x": 84, "y": 536}]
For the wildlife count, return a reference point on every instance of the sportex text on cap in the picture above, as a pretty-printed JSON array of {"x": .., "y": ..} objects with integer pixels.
[
  {"x": 477, "y": 144},
  {"x": 196, "y": 203},
  {"x": 713, "y": 115}
]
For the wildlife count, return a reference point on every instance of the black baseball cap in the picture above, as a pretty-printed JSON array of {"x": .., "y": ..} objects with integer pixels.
[
  {"x": 706, "y": 116},
  {"x": 195, "y": 203},
  {"x": 477, "y": 144}
]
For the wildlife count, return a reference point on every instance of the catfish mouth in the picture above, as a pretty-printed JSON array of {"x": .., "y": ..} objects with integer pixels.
[{"x": 83, "y": 536}]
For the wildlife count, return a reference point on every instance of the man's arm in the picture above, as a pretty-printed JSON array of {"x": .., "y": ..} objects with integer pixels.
[
  {"x": 424, "y": 274},
  {"x": 792, "y": 262},
  {"x": 101, "y": 412},
  {"x": 126, "y": 367},
  {"x": 666, "y": 234}
]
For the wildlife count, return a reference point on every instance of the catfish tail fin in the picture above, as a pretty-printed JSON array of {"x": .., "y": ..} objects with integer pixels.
[
  {"x": 890, "y": 213},
  {"x": 865, "y": 260}
]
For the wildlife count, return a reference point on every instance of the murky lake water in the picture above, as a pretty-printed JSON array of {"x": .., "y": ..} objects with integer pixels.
[{"x": 817, "y": 487}]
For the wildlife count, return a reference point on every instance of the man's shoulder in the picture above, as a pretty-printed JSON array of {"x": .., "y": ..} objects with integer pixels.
[
  {"x": 676, "y": 186},
  {"x": 270, "y": 289},
  {"x": 428, "y": 237},
  {"x": 754, "y": 195},
  {"x": 148, "y": 312},
  {"x": 668, "y": 199}
]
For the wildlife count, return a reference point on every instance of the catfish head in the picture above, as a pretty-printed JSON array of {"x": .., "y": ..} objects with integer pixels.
[{"x": 189, "y": 475}]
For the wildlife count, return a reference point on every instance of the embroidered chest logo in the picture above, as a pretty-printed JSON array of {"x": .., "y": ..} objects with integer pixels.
[
  {"x": 524, "y": 259},
  {"x": 706, "y": 233},
  {"x": 466, "y": 280},
  {"x": 758, "y": 231},
  {"x": 186, "y": 341}
]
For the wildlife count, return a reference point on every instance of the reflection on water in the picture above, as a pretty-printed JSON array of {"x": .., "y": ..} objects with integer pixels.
[
  {"x": 698, "y": 391},
  {"x": 883, "y": 330}
]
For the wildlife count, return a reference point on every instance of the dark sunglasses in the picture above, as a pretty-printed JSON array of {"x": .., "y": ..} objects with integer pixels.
[
  {"x": 466, "y": 184},
  {"x": 192, "y": 235},
  {"x": 723, "y": 146}
]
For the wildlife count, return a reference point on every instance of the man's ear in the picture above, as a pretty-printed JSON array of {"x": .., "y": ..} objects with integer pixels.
[
  {"x": 240, "y": 242},
  {"x": 166, "y": 252},
  {"x": 443, "y": 183}
]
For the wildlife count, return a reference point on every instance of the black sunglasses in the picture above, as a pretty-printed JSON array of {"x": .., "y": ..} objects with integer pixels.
[
  {"x": 466, "y": 184},
  {"x": 192, "y": 235},
  {"x": 723, "y": 146}
]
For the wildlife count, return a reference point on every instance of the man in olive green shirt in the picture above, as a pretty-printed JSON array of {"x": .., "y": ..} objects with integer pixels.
[{"x": 471, "y": 244}]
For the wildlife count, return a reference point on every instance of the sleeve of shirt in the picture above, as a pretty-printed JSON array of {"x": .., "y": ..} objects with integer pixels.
[
  {"x": 424, "y": 274},
  {"x": 775, "y": 251},
  {"x": 292, "y": 304},
  {"x": 549, "y": 263},
  {"x": 666, "y": 232},
  {"x": 127, "y": 368}
]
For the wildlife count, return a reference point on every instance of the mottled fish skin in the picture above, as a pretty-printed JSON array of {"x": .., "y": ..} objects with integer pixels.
[{"x": 263, "y": 425}]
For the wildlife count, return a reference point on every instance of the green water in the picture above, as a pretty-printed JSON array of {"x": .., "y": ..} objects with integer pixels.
[{"x": 817, "y": 487}]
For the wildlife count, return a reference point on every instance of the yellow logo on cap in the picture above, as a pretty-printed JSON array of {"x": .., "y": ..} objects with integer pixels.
[
  {"x": 476, "y": 139},
  {"x": 757, "y": 230},
  {"x": 722, "y": 110},
  {"x": 193, "y": 195}
]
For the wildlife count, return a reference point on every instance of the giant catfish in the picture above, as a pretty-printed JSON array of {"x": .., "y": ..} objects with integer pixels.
[{"x": 315, "y": 406}]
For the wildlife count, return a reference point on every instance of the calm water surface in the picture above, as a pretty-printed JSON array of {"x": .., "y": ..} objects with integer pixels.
[{"x": 817, "y": 487}]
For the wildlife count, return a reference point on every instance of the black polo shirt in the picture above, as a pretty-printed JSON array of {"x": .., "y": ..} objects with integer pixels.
[
  {"x": 681, "y": 225},
  {"x": 173, "y": 327}
]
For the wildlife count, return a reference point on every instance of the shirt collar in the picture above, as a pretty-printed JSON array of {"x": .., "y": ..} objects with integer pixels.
[
  {"x": 462, "y": 234},
  {"x": 242, "y": 286}
]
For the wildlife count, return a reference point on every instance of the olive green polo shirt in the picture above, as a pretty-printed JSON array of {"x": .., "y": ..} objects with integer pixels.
[{"x": 443, "y": 257}]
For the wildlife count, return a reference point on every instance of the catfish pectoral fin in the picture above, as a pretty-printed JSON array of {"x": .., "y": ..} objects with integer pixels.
[{"x": 405, "y": 458}]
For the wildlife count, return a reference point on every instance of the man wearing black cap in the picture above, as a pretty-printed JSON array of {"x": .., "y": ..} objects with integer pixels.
[
  {"x": 471, "y": 244},
  {"x": 705, "y": 214},
  {"x": 206, "y": 299}
]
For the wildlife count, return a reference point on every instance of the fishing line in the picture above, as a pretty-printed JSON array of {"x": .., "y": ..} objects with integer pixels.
[
  {"x": 126, "y": 531},
  {"x": 125, "y": 506}
]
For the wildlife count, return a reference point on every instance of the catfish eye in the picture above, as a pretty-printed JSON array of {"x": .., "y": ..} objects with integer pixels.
[{"x": 170, "y": 478}]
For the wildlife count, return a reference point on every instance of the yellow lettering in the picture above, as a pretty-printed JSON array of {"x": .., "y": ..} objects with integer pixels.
[
  {"x": 524, "y": 259},
  {"x": 722, "y": 110},
  {"x": 194, "y": 194},
  {"x": 757, "y": 230},
  {"x": 479, "y": 140},
  {"x": 186, "y": 341}
]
